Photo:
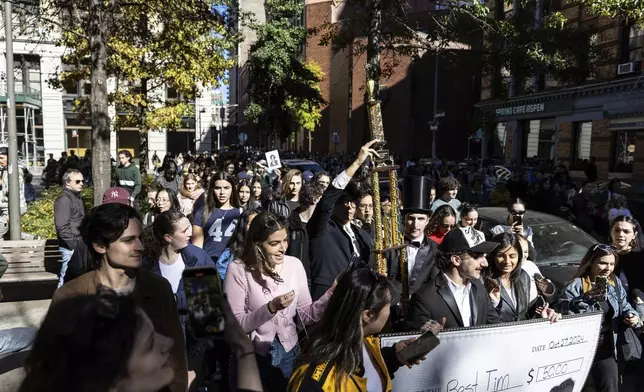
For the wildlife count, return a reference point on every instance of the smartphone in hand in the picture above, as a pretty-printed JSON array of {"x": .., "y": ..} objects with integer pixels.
[
  {"x": 204, "y": 295},
  {"x": 420, "y": 347}
]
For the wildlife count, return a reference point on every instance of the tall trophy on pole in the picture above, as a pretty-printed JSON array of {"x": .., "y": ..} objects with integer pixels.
[{"x": 388, "y": 234}]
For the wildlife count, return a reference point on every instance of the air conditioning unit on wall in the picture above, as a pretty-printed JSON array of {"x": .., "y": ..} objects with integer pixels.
[{"x": 628, "y": 68}]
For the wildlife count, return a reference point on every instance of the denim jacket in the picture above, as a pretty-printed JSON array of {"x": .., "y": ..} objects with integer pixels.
[{"x": 572, "y": 298}]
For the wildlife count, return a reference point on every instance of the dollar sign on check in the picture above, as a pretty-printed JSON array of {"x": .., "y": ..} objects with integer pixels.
[{"x": 530, "y": 375}]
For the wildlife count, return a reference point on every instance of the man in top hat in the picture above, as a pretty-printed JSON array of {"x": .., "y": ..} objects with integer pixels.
[
  {"x": 421, "y": 252},
  {"x": 455, "y": 291}
]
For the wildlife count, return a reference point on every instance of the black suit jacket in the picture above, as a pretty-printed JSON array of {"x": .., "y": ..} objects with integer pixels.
[
  {"x": 425, "y": 263},
  {"x": 330, "y": 247},
  {"x": 435, "y": 300}
]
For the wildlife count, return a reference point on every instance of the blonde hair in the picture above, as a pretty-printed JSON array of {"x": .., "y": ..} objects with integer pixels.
[{"x": 287, "y": 180}]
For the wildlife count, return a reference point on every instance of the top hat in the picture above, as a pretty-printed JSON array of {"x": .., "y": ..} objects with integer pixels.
[{"x": 415, "y": 195}]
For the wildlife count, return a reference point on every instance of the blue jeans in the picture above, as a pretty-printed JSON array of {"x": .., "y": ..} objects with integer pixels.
[
  {"x": 67, "y": 255},
  {"x": 16, "y": 339}
]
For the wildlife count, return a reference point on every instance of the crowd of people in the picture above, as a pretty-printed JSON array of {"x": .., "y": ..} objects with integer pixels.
[{"x": 303, "y": 306}]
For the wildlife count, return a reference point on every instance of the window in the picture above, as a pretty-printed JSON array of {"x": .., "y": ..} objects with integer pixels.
[
  {"x": 171, "y": 93},
  {"x": 70, "y": 87},
  {"x": 623, "y": 151},
  {"x": 580, "y": 145},
  {"x": 87, "y": 88},
  {"x": 635, "y": 43}
]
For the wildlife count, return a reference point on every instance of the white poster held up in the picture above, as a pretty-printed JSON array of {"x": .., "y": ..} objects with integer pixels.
[
  {"x": 273, "y": 160},
  {"x": 530, "y": 356}
]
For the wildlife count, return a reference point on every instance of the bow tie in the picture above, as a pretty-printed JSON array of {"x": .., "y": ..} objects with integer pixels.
[{"x": 415, "y": 244}]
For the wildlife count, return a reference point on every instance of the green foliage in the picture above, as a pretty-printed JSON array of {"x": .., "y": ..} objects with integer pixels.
[
  {"x": 151, "y": 45},
  {"x": 631, "y": 10},
  {"x": 284, "y": 91},
  {"x": 39, "y": 218}
]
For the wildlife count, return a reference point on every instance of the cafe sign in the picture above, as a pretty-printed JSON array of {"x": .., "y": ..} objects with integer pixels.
[
  {"x": 521, "y": 109},
  {"x": 534, "y": 110}
]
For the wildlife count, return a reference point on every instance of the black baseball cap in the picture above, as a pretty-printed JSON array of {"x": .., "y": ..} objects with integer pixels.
[{"x": 457, "y": 241}]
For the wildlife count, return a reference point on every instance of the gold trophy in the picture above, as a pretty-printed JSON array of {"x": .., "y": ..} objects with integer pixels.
[{"x": 388, "y": 234}]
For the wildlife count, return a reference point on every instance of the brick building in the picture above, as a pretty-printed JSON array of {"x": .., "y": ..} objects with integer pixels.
[
  {"x": 407, "y": 96},
  {"x": 601, "y": 117}
]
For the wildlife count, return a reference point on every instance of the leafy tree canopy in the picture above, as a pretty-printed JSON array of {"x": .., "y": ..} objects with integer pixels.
[{"x": 284, "y": 91}]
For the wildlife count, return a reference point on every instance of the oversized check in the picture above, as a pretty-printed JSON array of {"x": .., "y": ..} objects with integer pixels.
[{"x": 533, "y": 356}]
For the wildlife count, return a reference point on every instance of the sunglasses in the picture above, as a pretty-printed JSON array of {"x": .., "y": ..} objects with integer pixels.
[
  {"x": 604, "y": 247},
  {"x": 515, "y": 213},
  {"x": 77, "y": 182},
  {"x": 447, "y": 227}
]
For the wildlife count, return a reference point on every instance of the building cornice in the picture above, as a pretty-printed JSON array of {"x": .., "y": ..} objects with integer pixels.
[{"x": 611, "y": 87}]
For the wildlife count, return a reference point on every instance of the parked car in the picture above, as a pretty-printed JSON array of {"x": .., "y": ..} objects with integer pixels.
[
  {"x": 559, "y": 244},
  {"x": 302, "y": 165}
]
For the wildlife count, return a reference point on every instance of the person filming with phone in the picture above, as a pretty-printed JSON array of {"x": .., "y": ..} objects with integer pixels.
[
  {"x": 268, "y": 291},
  {"x": 515, "y": 222},
  {"x": 596, "y": 288}
]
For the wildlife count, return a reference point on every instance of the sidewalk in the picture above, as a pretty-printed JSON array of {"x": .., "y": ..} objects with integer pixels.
[{"x": 12, "y": 315}]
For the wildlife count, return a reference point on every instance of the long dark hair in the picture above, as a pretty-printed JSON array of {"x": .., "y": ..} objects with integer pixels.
[
  {"x": 509, "y": 240},
  {"x": 338, "y": 341},
  {"x": 250, "y": 204},
  {"x": 175, "y": 205},
  {"x": 436, "y": 220},
  {"x": 83, "y": 344},
  {"x": 154, "y": 243},
  {"x": 638, "y": 241},
  {"x": 236, "y": 241},
  {"x": 264, "y": 224},
  {"x": 211, "y": 201}
]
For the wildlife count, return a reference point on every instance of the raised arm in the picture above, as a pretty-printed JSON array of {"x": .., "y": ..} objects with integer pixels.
[{"x": 324, "y": 209}]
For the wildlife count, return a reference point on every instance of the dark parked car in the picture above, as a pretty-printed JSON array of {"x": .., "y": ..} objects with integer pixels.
[
  {"x": 559, "y": 244},
  {"x": 302, "y": 165}
]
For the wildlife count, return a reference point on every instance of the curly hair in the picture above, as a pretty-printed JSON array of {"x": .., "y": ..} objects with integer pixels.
[
  {"x": 436, "y": 220},
  {"x": 448, "y": 184},
  {"x": 309, "y": 194}
]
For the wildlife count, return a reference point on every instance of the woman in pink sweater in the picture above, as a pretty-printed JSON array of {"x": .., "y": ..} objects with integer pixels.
[{"x": 267, "y": 290}]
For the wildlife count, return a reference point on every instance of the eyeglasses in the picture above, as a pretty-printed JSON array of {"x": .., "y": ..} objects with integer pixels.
[
  {"x": 367, "y": 206},
  {"x": 515, "y": 212},
  {"x": 604, "y": 247}
]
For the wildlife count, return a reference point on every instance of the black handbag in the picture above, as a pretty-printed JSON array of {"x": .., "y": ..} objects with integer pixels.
[{"x": 629, "y": 347}]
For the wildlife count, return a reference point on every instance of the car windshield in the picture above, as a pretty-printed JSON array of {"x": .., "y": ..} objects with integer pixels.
[{"x": 559, "y": 243}]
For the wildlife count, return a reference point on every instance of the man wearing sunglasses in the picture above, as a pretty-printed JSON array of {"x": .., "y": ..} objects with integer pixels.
[{"x": 69, "y": 211}]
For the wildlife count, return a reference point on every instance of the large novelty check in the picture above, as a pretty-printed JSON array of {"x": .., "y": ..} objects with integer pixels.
[{"x": 523, "y": 356}]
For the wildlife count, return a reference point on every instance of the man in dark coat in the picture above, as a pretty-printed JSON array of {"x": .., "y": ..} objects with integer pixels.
[
  {"x": 420, "y": 251},
  {"x": 455, "y": 292},
  {"x": 335, "y": 240}
]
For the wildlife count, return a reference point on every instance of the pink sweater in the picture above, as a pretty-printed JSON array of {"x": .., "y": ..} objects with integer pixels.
[{"x": 248, "y": 302}]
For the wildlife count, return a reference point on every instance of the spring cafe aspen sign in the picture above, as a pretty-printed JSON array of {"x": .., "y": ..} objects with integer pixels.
[
  {"x": 530, "y": 356},
  {"x": 534, "y": 109}
]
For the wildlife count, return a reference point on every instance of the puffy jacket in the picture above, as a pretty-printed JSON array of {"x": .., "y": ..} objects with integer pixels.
[
  {"x": 321, "y": 377},
  {"x": 69, "y": 211}
]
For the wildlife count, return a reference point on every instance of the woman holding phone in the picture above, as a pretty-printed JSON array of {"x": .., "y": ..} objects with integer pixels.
[
  {"x": 267, "y": 291},
  {"x": 596, "y": 288},
  {"x": 345, "y": 353}
]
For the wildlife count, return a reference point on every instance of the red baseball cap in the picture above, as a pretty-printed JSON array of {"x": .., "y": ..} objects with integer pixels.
[{"x": 116, "y": 195}]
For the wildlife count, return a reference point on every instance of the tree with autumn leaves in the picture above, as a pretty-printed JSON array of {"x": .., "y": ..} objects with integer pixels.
[
  {"x": 140, "y": 48},
  {"x": 283, "y": 89}
]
